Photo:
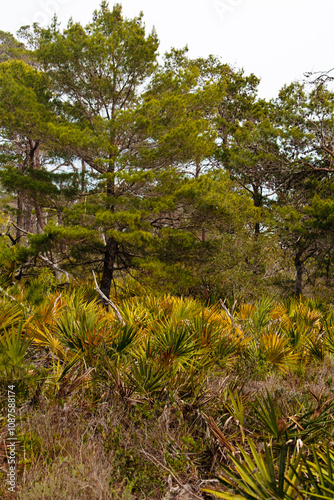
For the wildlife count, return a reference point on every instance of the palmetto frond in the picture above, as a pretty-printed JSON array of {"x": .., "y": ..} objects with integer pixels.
[
  {"x": 257, "y": 476},
  {"x": 276, "y": 350}
]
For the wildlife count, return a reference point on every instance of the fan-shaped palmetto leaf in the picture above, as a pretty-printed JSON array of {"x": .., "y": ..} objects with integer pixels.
[
  {"x": 175, "y": 344},
  {"x": 48, "y": 312},
  {"x": 45, "y": 338},
  {"x": 124, "y": 337},
  {"x": 146, "y": 377},
  {"x": 328, "y": 324},
  {"x": 10, "y": 315},
  {"x": 297, "y": 336},
  {"x": 207, "y": 327},
  {"x": 134, "y": 312},
  {"x": 83, "y": 327},
  {"x": 261, "y": 315},
  {"x": 320, "y": 473},
  {"x": 182, "y": 308},
  {"x": 41, "y": 326},
  {"x": 257, "y": 477},
  {"x": 276, "y": 350},
  {"x": 316, "y": 423},
  {"x": 227, "y": 346},
  {"x": 268, "y": 414},
  {"x": 112, "y": 376},
  {"x": 14, "y": 353},
  {"x": 69, "y": 376},
  {"x": 246, "y": 311},
  {"x": 189, "y": 382},
  {"x": 310, "y": 316},
  {"x": 316, "y": 348}
]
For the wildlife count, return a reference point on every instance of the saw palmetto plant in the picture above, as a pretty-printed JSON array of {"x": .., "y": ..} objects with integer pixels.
[
  {"x": 319, "y": 470},
  {"x": 260, "y": 476}
]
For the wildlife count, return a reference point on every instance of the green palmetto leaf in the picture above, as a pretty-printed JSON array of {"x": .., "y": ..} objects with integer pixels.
[
  {"x": 115, "y": 375},
  {"x": 146, "y": 377},
  {"x": 208, "y": 326},
  {"x": 328, "y": 324},
  {"x": 44, "y": 338},
  {"x": 296, "y": 335},
  {"x": 14, "y": 346},
  {"x": 15, "y": 361},
  {"x": 320, "y": 473},
  {"x": 315, "y": 423},
  {"x": 124, "y": 338},
  {"x": 257, "y": 477},
  {"x": 83, "y": 327},
  {"x": 236, "y": 409},
  {"x": 268, "y": 414},
  {"x": 227, "y": 346},
  {"x": 68, "y": 376},
  {"x": 261, "y": 314},
  {"x": 317, "y": 348},
  {"x": 174, "y": 344}
]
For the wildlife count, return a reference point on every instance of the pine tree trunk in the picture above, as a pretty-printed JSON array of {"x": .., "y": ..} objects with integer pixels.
[
  {"x": 299, "y": 274},
  {"x": 258, "y": 202},
  {"x": 108, "y": 265},
  {"x": 19, "y": 216}
]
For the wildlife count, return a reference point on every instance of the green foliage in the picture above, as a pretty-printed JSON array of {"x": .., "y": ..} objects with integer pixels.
[
  {"x": 255, "y": 476},
  {"x": 320, "y": 473}
]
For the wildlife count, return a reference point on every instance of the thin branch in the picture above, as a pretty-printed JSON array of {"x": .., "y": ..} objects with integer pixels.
[
  {"x": 19, "y": 228},
  {"x": 57, "y": 268},
  {"x": 108, "y": 301},
  {"x": 229, "y": 314}
]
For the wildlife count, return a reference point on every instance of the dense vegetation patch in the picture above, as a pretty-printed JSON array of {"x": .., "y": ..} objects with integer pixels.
[{"x": 177, "y": 395}]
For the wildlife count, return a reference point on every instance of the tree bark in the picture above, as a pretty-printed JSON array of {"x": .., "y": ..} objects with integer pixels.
[
  {"x": 111, "y": 243},
  {"x": 258, "y": 202},
  {"x": 108, "y": 265},
  {"x": 19, "y": 216},
  {"x": 299, "y": 274}
]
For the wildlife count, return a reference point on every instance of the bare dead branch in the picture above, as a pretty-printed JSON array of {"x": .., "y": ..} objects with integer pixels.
[
  {"x": 57, "y": 268},
  {"x": 229, "y": 314},
  {"x": 108, "y": 301}
]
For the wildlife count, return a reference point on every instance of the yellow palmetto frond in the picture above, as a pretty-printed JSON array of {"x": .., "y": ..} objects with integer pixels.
[
  {"x": 44, "y": 338},
  {"x": 278, "y": 312},
  {"x": 276, "y": 350},
  {"x": 10, "y": 315},
  {"x": 246, "y": 311}
]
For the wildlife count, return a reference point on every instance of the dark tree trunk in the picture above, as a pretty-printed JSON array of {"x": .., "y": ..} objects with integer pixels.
[
  {"x": 258, "y": 202},
  {"x": 28, "y": 224},
  {"x": 111, "y": 243},
  {"x": 299, "y": 274},
  {"x": 108, "y": 265},
  {"x": 19, "y": 217},
  {"x": 39, "y": 219}
]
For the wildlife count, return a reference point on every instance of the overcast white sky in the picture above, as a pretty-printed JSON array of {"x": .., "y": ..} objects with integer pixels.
[{"x": 278, "y": 40}]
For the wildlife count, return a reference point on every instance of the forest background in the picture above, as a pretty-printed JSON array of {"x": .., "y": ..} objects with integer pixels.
[{"x": 176, "y": 173}]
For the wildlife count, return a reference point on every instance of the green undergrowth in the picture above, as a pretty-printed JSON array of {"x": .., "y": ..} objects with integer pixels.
[{"x": 181, "y": 400}]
